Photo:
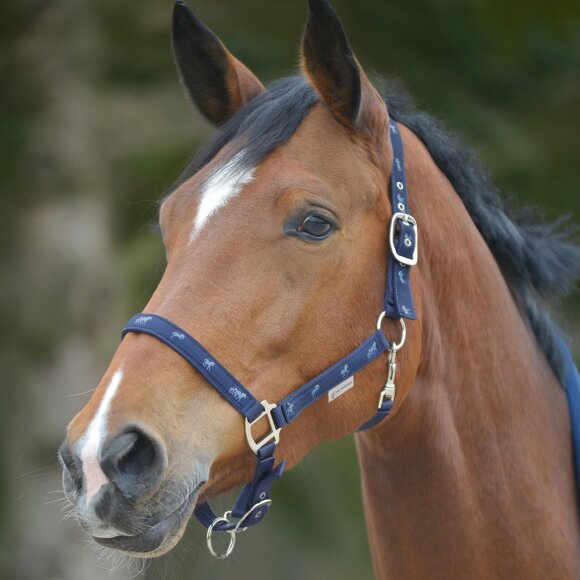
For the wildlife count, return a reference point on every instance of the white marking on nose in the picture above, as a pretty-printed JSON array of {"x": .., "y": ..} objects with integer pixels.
[
  {"x": 224, "y": 184},
  {"x": 93, "y": 474}
]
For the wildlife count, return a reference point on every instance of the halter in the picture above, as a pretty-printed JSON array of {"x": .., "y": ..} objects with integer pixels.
[{"x": 254, "y": 500}]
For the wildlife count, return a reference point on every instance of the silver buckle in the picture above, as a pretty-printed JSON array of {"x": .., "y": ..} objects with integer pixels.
[
  {"x": 408, "y": 219},
  {"x": 274, "y": 434}
]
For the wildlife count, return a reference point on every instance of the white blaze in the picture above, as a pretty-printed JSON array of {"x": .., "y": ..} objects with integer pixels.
[
  {"x": 93, "y": 474},
  {"x": 224, "y": 184}
]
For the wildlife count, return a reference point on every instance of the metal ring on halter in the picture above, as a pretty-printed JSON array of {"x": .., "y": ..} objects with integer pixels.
[
  {"x": 403, "y": 330},
  {"x": 232, "y": 534}
]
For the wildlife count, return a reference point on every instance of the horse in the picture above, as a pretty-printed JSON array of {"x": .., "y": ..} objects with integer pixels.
[{"x": 277, "y": 243}]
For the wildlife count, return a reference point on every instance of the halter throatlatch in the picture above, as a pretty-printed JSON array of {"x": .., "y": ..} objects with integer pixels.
[{"x": 254, "y": 500}]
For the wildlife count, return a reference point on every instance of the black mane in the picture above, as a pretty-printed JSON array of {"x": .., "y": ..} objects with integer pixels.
[{"x": 537, "y": 260}]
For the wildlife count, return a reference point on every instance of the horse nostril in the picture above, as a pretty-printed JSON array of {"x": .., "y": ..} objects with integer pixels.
[
  {"x": 72, "y": 467},
  {"x": 133, "y": 461}
]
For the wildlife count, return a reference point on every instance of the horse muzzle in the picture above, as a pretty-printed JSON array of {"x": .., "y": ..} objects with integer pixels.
[{"x": 129, "y": 499}]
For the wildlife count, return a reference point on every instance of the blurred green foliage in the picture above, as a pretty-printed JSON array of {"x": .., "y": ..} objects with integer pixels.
[{"x": 93, "y": 123}]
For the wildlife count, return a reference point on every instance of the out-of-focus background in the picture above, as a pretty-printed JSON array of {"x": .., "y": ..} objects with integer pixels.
[{"x": 94, "y": 127}]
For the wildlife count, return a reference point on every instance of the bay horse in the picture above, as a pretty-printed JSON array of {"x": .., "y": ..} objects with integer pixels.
[{"x": 277, "y": 248}]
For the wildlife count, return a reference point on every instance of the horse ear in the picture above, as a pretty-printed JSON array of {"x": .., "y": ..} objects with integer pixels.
[
  {"x": 332, "y": 68},
  {"x": 216, "y": 81}
]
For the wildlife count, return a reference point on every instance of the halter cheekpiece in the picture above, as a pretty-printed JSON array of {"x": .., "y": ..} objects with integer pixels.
[{"x": 254, "y": 500}]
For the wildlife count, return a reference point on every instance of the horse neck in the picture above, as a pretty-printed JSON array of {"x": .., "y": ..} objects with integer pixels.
[{"x": 472, "y": 476}]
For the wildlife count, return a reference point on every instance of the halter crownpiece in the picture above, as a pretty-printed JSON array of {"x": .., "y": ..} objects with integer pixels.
[{"x": 254, "y": 500}]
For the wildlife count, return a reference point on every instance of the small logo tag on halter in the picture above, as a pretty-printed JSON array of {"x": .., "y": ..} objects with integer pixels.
[{"x": 340, "y": 389}]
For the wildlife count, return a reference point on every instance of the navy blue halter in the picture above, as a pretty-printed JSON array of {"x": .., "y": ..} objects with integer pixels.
[{"x": 254, "y": 500}]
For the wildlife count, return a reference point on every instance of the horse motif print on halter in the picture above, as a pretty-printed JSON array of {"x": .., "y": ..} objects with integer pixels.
[
  {"x": 236, "y": 393},
  {"x": 208, "y": 364}
]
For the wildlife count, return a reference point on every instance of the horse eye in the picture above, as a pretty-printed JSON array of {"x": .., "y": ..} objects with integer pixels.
[{"x": 316, "y": 227}]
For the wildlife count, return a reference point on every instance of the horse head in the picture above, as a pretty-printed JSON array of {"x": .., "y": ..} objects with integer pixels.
[{"x": 276, "y": 255}]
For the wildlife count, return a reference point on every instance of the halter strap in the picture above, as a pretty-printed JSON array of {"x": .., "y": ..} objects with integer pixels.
[
  {"x": 254, "y": 499},
  {"x": 199, "y": 358},
  {"x": 398, "y": 302}
]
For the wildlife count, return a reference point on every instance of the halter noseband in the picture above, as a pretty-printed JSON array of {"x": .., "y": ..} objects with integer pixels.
[{"x": 254, "y": 500}]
